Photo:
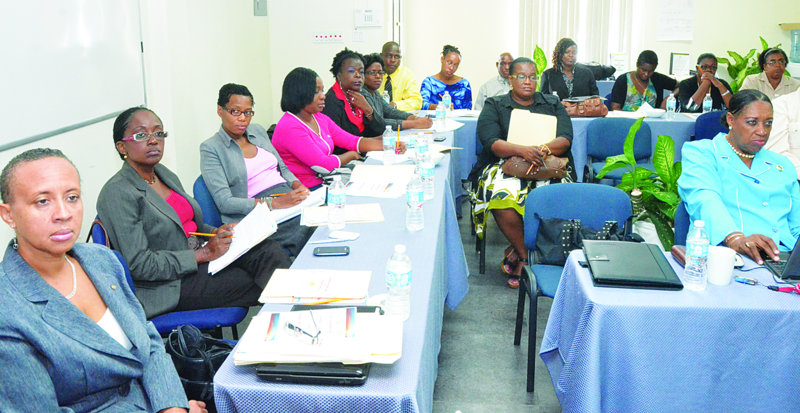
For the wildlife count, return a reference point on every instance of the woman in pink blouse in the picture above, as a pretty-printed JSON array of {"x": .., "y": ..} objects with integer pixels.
[{"x": 305, "y": 138}]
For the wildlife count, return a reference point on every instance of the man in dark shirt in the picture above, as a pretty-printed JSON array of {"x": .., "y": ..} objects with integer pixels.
[{"x": 694, "y": 89}]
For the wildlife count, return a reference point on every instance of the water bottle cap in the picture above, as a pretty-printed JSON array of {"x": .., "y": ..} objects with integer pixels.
[
  {"x": 699, "y": 223},
  {"x": 388, "y": 128},
  {"x": 400, "y": 249}
]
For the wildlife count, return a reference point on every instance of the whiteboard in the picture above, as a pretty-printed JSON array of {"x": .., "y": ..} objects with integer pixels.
[{"x": 67, "y": 64}]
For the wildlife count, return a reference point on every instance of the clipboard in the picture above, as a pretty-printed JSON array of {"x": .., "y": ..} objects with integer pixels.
[{"x": 531, "y": 129}]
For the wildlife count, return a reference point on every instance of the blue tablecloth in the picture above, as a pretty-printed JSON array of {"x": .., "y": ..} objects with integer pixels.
[
  {"x": 727, "y": 349},
  {"x": 439, "y": 276}
]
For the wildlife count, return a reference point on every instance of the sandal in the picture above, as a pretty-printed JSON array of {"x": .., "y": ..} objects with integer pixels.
[
  {"x": 510, "y": 261},
  {"x": 513, "y": 279}
]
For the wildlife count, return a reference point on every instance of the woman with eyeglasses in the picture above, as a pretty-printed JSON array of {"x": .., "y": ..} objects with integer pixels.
[
  {"x": 242, "y": 169},
  {"x": 565, "y": 77},
  {"x": 73, "y": 337},
  {"x": 502, "y": 194},
  {"x": 694, "y": 89},
  {"x": 150, "y": 219},
  {"x": 434, "y": 87},
  {"x": 345, "y": 104},
  {"x": 306, "y": 138},
  {"x": 772, "y": 80},
  {"x": 644, "y": 85},
  {"x": 748, "y": 196},
  {"x": 383, "y": 112}
]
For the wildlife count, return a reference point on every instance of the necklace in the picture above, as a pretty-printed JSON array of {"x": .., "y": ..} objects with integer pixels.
[
  {"x": 152, "y": 180},
  {"x": 74, "y": 280},
  {"x": 743, "y": 155}
]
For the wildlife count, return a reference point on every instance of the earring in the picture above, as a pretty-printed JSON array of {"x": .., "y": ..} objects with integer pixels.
[
  {"x": 14, "y": 243},
  {"x": 124, "y": 156}
]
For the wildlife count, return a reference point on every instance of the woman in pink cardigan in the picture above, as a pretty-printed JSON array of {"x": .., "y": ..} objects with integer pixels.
[{"x": 304, "y": 137}]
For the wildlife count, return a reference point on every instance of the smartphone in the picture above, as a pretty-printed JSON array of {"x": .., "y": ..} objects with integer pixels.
[
  {"x": 439, "y": 138},
  {"x": 331, "y": 251}
]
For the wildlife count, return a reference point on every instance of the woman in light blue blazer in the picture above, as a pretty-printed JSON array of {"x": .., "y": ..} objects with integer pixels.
[{"x": 73, "y": 337}]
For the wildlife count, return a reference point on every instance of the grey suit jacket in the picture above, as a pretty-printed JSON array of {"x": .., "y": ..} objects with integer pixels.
[
  {"x": 225, "y": 174},
  {"x": 147, "y": 231},
  {"x": 382, "y": 111},
  {"x": 55, "y": 358}
]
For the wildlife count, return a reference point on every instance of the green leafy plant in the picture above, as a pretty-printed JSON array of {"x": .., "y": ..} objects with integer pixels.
[
  {"x": 540, "y": 60},
  {"x": 740, "y": 66},
  {"x": 654, "y": 194}
]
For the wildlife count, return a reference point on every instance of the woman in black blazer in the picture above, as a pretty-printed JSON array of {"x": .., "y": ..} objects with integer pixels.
[
  {"x": 566, "y": 77},
  {"x": 148, "y": 217}
]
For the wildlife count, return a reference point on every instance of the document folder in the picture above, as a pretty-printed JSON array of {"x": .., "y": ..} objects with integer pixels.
[{"x": 629, "y": 264}]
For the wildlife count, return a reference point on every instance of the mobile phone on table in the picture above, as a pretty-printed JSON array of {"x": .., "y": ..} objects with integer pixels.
[{"x": 331, "y": 251}]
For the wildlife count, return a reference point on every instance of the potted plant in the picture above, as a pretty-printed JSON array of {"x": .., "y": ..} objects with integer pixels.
[
  {"x": 740, "y": 67},
  {"x": 654, "y": 194}
]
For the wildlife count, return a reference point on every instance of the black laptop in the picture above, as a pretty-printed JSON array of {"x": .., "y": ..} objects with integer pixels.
[
  {"x": 788, "y": 268},
  {"x": 629, "y": 265},
  {"x": 314, "y": 373}
]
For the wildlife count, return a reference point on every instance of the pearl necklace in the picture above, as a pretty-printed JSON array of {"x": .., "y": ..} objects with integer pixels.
[
  {"x": 743, "y": 155},
  {"x": 74, "y": 280}
]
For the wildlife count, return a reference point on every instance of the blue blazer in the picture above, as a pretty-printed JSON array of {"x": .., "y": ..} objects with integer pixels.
[{"x": 55, "y": 358}]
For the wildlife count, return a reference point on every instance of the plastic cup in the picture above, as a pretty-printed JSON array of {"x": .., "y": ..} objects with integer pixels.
[{"x": 720, "y": 265}]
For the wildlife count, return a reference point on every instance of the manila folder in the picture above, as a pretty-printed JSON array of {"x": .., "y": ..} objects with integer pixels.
[{"x": 531, "y": 129}]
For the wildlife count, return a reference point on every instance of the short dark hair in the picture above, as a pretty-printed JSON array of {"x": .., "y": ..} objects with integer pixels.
[
  {"x": 373, "y": 58},
  {"x": 388, "y": 45},
  {"x": 762, "y": 58},
  {"x": 341, "y": 57},
  {"x": 229, "y": 89},
  {"x": 28, "y": 156},
  {"x": 519, "y": 61},
  {"x": 561, "y": 50},
  {"x": 647, "y": 57},
  {"x": 741, "y": 100},
  {"x": 447, "y": 49},
  {"x": 122, "y": 121},
  {"x": 299, "y": 88},
  {"x": 705, "y": 56}
]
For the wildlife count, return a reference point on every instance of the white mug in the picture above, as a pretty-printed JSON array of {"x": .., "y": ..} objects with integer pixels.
[{"x": 720, "y": 265}]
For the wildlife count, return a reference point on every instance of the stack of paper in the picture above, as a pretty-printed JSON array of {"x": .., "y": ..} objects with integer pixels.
[
  {"x": 252, "y": 229},
  {"x": 353, "y": 214},
  {"x": 291, "y": 286},
  {"x": 325, "y": 335},
  {"x": 316, "y": 197},
  {"x": 379, "y": 181}
]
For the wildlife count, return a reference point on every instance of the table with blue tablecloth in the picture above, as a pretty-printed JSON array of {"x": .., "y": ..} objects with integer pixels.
[
  {"x": 439, "y": 278},
  {"x": 726, "y": 349}
]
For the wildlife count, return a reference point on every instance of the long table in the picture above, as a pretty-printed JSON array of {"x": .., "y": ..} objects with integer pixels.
[
  {"x": 439, "y": 277},
  {"x": 727, "y": 349}
]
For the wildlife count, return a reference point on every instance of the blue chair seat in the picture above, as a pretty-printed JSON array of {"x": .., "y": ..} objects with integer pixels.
[
  {"x": 547, "y": 277},
  {"x": 205, "y": 319},
  {"x": 616, "y": 174}
]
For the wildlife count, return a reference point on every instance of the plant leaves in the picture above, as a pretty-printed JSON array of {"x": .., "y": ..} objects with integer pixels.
[
  {"x": 610, "y": 166},
  {"x": 670, "y": 198},
  {"x": 750, "y": 54},
  {"x": 764, "y": 45},
  {"x": 665, "y": 233},
  {"x": 740, "y": 62},
  {"x": 723, "y": 60},
  {"x": 627, "y": 148},
  {"x": 740, "y": 77},
  {"x": 540, "y": 59},
  {"x": 663, "y": 158}
]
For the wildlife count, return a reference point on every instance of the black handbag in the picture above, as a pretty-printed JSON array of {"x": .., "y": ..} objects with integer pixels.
[
  {"x": 558, "y": 237},
  {"x": 197, "y": 357}
]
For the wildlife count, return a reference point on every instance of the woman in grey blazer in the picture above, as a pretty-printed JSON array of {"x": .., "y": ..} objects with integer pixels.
[
  {"x": 385, "y": 114},
  {"x": 241, "y": 169},
  {"x": 148, "y": 217},
  {"x": 73, "y": 337}
]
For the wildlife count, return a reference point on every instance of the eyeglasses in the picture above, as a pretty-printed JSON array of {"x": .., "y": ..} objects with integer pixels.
[
  {"x": 352, "y": 71},
  {"x": 521, "y": 77},
  {"x": 144, "y": 136},
  {"x": 776, "y": 62},
  {"x": 236, "y": 113},
  {"x": 375, "y": 72},
  {"x": 707, "y": 68}
]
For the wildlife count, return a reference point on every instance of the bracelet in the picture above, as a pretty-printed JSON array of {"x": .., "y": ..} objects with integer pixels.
[
  {"x": 733, "y": 237},
  {"x": 727, "y": 92},
  {"x": 547, "y": 148},
  {"x": 267, "y": 200}
]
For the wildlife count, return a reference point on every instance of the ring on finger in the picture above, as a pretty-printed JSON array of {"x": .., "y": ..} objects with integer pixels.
[{"x": 747, "y": 244}]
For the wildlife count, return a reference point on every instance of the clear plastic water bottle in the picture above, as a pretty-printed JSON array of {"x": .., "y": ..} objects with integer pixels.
[
  {"x": 415, "y": 219},
  {"x": 672, "y": 107},
  {"x": 386, "y": 96},
  {"x": 398, "y": 283},
  {"x": 440, "y": 114},
  {"x": 707, "y": 103},
  {"x": 695, "y": 271},
  {"x": 336, "y": 204},
  {"x": 427, "y": 173},
  {"x": 389, "y": 145},
  {"x": 447, "y": 101}
]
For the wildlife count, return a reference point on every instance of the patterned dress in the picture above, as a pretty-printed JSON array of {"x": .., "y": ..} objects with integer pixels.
[
  {"x": 433, "y": 89},
  {"x": 633, "y": 99}
]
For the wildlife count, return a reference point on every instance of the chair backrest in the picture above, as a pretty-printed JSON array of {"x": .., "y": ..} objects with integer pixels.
[
  {"x": 98, "y": 233},
  {"x": 608, "y": 101},
  {"x": 708, "y": 125},
  {"x": 682, "y": 222},
  {"x": 606, "y": 136},
  {"x": 593, "y": 204},
  {"x": 203, "y": 197}
]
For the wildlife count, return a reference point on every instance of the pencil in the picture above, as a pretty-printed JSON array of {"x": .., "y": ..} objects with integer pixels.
[
  {"x": 285, "y": 193},
  {"x": 397, "y": 144},
  {"x": 332, "y": 300},
  {"x": 529, "y": 170},
  {"x": 202, "y": 234}
]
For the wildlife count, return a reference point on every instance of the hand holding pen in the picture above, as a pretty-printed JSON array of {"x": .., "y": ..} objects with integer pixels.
[{"x": 217, "y": 245}]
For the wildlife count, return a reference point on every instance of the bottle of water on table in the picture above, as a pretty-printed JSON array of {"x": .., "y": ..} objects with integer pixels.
[
  {"x": 336, "y": 204},
  {"x": 672, "y": 107},
  {"x": 389, "y": 145},
  {"x": 398, "y": 283},
  {"x": 447, "y": 101},
  {"x": 427, "y": 173},
  {"x": 440, "y": 114},
  {"x": 386, "y": 96},
  {"x": 415, "y": 219},
  {"x": 707, "y": 103},
  {"x": 696, "y": 269}
]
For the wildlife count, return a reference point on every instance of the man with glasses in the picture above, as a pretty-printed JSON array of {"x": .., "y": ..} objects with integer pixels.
[
  {"x": 772, "y": 80},
  {"x": 401, "y": 84},
  {"x": 498, "y": 85},
  {"x": 694, "y": 89}
]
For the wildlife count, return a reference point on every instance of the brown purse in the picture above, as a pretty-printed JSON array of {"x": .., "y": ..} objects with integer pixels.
[
  {"x": 591, "y": 107},
  {"x": 554, "y": 168}
]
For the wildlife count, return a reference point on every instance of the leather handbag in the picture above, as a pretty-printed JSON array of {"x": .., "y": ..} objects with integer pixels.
[
  {"x": 554, "y": 168},
  {"x": 196, "y": 357},
  {"x": 591, "y": 107},
  {"x": 556, "y": 238}
]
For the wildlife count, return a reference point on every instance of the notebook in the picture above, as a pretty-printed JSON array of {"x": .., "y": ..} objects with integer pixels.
[
  {"x": 788, "y": 268},
  {"x": 629, "y": 264},
  {"x": 315, "y": 373}
]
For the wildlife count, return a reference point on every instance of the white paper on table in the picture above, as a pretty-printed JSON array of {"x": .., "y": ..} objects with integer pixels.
[
  {"x": 353, "y": 214},
  {"x": 252, "y": 229},
  {"x": 625, "y": 114},
  {"x": 379, "y": 181},
  {"x": 531, "y": 129},
  {"x": 406, "y": 157},
  {"x": 315, "y": 198},
  {"x": 344, "y": 336},
  {"x": 292, "y": 286},
  {"x": 464, "y": 113}
]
